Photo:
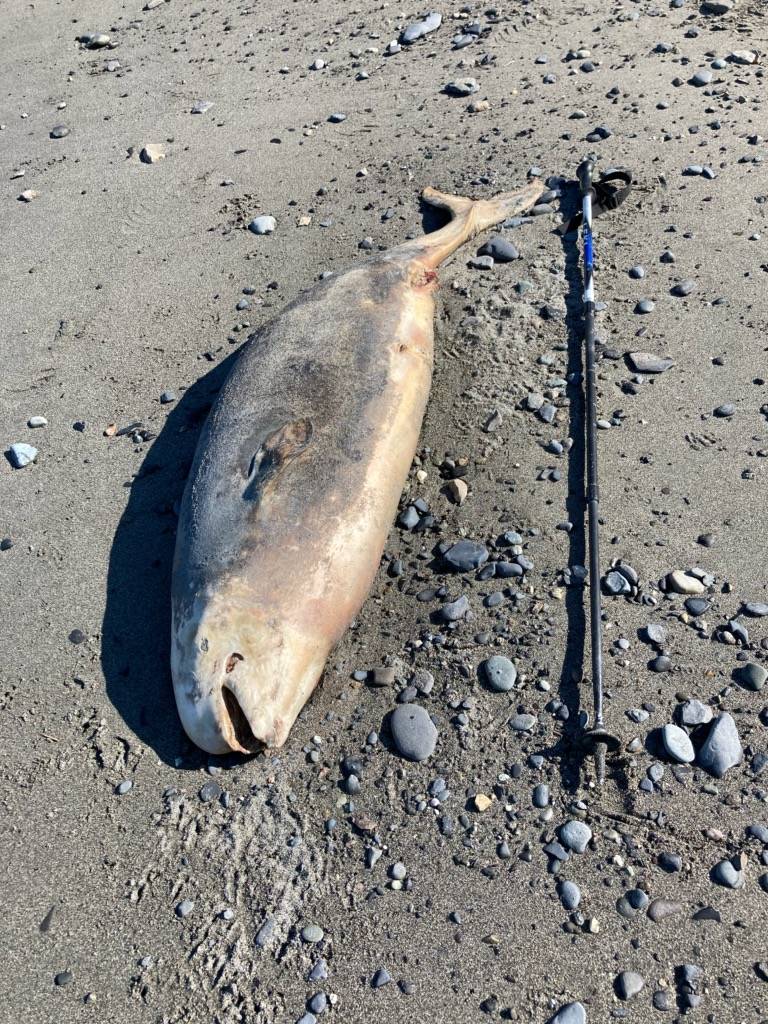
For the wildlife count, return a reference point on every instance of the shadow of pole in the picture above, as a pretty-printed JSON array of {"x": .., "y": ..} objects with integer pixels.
[
  {"x": 135, "y": 647},
  {"x": 573, "y": 662}
]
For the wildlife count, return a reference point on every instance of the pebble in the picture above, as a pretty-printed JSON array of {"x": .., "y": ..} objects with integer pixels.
[
  {"x": 466, "y": 555},
  {"x": 418, "y": 29},
  {"x": 647, "y": 362},
  {"x": 457, "y": 490},
  {"x": 312, "y": 934},
  {"x": 124, "y": 787},
  {"x": 337, "y": 118},
  {"x": 683, "y": 288},
  {"x": 60, "y": 131},
  {"x": 540, "y": 795},
  {"x": 413, "y": 732},
  {"x": 570, "y": 895},
  {"x": 462, "y": 87},
  {"x": 697, "y": 606},
  {"x": 263, "y": 225},
  {"x": 645, "y": 306},
  {"x": 629, "y": 984},
  {"x": 381, "y": 978},
  {"x": 677, "y": 744},
  {"x": 501, "y": 249},
  {"x": 209, "y": 791},
  {"x": 701, "y": 78},
  {"x": 726, "y": 873},
  {"x": 751, "y": 676},
  {"x": 167, "y": 397},
  {"x": 717, "y": 6},
  {"x": 571, "y": 1013},
  {"x": 756, "y": 609},
  {"x": 453, "y": 611},
  {"x": 500, "y": 673},
  {"x": 659, "y": 909},
  {"x": 152, "y": 153},
  {"x": 185, "y": 908},
  {"x": 37, "y": 421},
  {"x": 724, "y": 411},
  {"x": 684, "y": 583},
  {"x": 522, "y": 722},
  {"x": 94, "y": 40},
  {"x": 693, "y": 712},
  {"x": 722, "y": 748},
  {"x": 575, "y": 835},
  {"x": 21, "y": 455},
  {"x": 655, "y": 634},
  {"x": 201, "y": 107},
  {"x": 661, "y": 663}
]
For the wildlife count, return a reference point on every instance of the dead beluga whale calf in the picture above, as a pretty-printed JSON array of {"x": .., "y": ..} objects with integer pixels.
[{"x": 296, "y": 481}]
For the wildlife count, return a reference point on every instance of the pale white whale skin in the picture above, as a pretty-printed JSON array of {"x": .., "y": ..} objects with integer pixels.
[{"x": 296, "y": 481}]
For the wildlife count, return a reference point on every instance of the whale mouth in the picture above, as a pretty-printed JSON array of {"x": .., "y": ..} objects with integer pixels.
[{"x": 241, "y": 727}]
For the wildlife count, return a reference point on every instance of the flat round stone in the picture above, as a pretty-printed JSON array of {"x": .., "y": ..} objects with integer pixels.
[
  {"x": 466, "y": 555},
  {"x": 677, "y": 744},
  {"x": 571, "y": 1013},
  {"x": 575, "y": 835},
  {"x": 413, "y": 732},
  {"x": 648, "y": 362},
  {"x": 499, "y": 672}
]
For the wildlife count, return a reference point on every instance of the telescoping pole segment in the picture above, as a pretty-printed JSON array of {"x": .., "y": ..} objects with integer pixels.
[{"x": 585, "y": 173}]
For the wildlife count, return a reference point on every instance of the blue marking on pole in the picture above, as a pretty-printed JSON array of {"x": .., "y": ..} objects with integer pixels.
[{"x": 588, "y": 249}]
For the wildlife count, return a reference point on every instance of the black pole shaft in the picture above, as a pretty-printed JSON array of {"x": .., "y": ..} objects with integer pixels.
[{"x": 585, "y": 172}]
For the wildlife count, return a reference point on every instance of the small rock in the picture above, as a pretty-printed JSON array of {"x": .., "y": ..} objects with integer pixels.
[
  {"x": 629, "y": 984},
  {"x": 693, "y": 712},
  {"x": 312, "y": 934},
  {"x": 659, "y": 909},
  {"x": 413, "y": 732},
  {"x": 570, "y": 895},
  {"x": 421, "y": 28},
  {"x": 500, "y": 673},
  {"x": 726, "y": 873},
  {"x": 683, "y": 583},
  {"x": 571, "y": 1013},
  {"x": 466, "y": 555},
  {"x": 457, "y": 490},
  {"x": 185, "y": 908},
  {"x": 647, "y": 362},
  {"x": 20, "y": 455},
  {"x": 501, "y": 249},
  {"x": 677, "y": 744},
  {"x": 462, "y": 87},
  {"x": 263, "y": 225},
  {"x": 152, "y": 153},
  {"x": 722, "y": 748},
  {"x": 750, "y": 676},
  {"x": 575, "y": 835}
]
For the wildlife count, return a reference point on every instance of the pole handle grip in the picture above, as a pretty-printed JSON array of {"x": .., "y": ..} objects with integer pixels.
[{"x": 584, "y": 171}]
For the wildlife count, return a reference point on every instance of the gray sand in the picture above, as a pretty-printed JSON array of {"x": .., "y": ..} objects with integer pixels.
[{"x": 120, "y": 280}]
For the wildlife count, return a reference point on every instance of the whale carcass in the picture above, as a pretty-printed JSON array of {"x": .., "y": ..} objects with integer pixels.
[{"x": 296, "y": 481}]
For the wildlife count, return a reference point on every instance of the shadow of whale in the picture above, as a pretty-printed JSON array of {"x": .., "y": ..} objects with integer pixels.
[{"x": 136, "y": 628}]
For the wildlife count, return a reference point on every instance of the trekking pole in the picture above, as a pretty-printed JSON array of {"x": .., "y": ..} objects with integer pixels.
[{"x": 597, "y": 739}]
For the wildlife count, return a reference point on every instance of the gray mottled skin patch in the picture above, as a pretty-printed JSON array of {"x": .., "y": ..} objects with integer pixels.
[{"x": 312, "y": 371}]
